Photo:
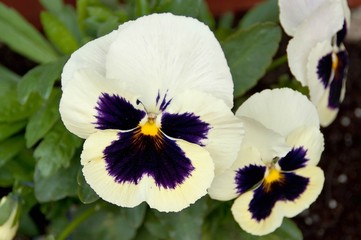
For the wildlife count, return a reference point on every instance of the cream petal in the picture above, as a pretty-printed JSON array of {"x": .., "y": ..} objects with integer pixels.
[
  {"x": 314, "y": 188},
  {"x": 224, "y": 185},
  {"x": 80, "y": 97},
  {"x": 90, "y": 56},
  {"x": 321, "y": 26},
  {"x": 163, "y": 52},
  {"x": 243, "y": 216},
  {"x": 226, "y": 131},
  {"x": 311, "y": 139},
  {"x": 129, "y": 194},
  {"x": 281, "y": 110},
  {"x": 294, "y": 13},
  {"x": 326, "y": 114}
]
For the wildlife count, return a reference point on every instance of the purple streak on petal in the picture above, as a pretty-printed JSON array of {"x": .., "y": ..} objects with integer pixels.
[
  {"x": 340, "y": 35},
  {"x": 115, "y": 112},
  {"x": 165, "y": 103},
  {"x": 186, "y": 126},
  {"x": 295, "y": 159},
  {"x": 324, "y": 69},
  {"x": 289, "y": 189},
  {"x": 135, "y": 155},
  {"x": 248, "y": 177},
  {"x": 337, "y": 82}
]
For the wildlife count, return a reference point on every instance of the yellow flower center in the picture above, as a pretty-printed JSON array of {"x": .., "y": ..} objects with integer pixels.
[
  {"x": 334, "y": 62},
  {"x": 273, "y": 176},
  {"x": 150, "y": 128}
]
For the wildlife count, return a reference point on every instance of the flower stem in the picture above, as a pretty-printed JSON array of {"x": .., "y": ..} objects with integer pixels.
[
  {"x": 76, "y": 222},
  {"x": 278, "y": 62}
]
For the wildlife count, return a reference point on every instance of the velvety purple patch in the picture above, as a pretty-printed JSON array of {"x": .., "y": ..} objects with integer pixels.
[
  {"x": 186, "y": 126},
  {"x": 115, "y": 112},
  {"x": 289, "y": 189},
  {"x": 324, "y": 69},
  {"x": 340, "y": 36},
  {"x": 295, "y": 159},
  {"x": 248, "y": 177},
  {"x": 135, "y": 155},
  {"x": 337, "y": 82}
]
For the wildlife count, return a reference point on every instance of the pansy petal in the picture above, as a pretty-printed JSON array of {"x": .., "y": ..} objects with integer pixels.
[
  {"x": 224, "y": 185},
  {"x": 80, "y": 100},
  {"x": 225, "y": 133},
  {"x": 104, "y": 160},
  {"x": 90, "y": 56},
  {"x": 321, "y": 26},
  {"x": 269, "y": 143},
  {"x": 163, "y": 52},
  {"x": 243, "y": 216},
  {"x": 281, "y": 110},
  {"x": 310, "y": 139},
  {"x": 293, "y": 13}
]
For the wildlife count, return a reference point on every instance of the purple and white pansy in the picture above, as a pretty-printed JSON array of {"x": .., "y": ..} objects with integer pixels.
[
  {"x": 275, "y": 174},
  {"x": 152, "y": 99},
  {"x": 316, "y": 53}
]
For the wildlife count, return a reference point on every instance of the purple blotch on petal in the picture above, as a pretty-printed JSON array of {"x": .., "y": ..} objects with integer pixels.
[
  {"x": 324, "y": 69},
  {"x": 248, "y": 177},
  {"x": 115, "y": 112},
  {"x": 185, "y": 126},
  {"x": 289, "y": 189},
  {"x": 338, "y": 80},
  {"x": 295, "y": 159},
  {"x": 340, "y": 35},
  {"x": 135, "y": 155}
]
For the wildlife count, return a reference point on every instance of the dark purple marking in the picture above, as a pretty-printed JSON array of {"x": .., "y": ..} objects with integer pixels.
[
  {"x": 115, "y": 112},
  {"x": 186, "y": 126},
  {"x": 289, "y": 189},
  {"x": 165, "y": 103},
  {"x": 157, "y": 99},
  {"x": 324, "y": 69},
  {"x": 248, "y": 177},
  {"x": 295, "y": 159},
  {"x": 134, "y": 155},
  {"x": 337, "y": 82},
  {"x": 340, "y": 35}
]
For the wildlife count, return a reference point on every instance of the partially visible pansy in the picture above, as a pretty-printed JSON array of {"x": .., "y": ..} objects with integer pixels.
[
  {"x": 275, "y": 174},
  {"x": 10, "y": 224},
  {"x": 152, "y": 100},
  {"x": 316, "y": 54}
]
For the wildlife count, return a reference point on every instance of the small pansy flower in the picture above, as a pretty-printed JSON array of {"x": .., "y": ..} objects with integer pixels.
[
  {"x": 275, "y": 174},
  {"x": 316, "y": 54},
  {"x": 152, "y": 100},
  {"x": 9, "y": 226}
]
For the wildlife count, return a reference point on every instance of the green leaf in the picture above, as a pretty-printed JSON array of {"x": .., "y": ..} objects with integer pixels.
[
  {"x": 40, "y": 80},
  {"x": 186, "y": 224},
  {"x": 7, "y": 75},
  {"x": 85, "y": 193},
  {"x": 264, "y": 12},
  {"x": 141, "y": 8},
  {"x": 192, "y": 8},
  {"x": 6, "y": 208},
  {"x": 56, "y": 150},
  {"x": 21, "y": 166},
  {"x": 249, "y": 53},
  {"x": 10, "y": 147},
  {"x": 57, "y": 186},
  {"x": 23, "y": 38},
  {"x": 42, "y": 121},
  {"x": 58, "y": 34},
  {"x": 8, "y": 129}
]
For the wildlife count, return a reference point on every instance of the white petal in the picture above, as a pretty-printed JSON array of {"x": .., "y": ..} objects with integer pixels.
[
  {"x": 224, "y": 186},
  {"x": 130, "y": 194},
  {"x": 90, "y": 56},
  {"x": 281, "y": 110},
  {"x": 316, "y": 87},
  {"x": 309, "y": 138},
  {"x": 294, "y": 13},
  {"x": 269, "y": 143},
  {"x": 321, "y": 26},
  {"x": 226, "y": 133},
  {"x": 79, "y": 99},
  {"x": 166, "y": 52},
  {"x": 328, "y": 115},
  {"x": 314, "y": 188},
  {"x": 244, "y": 217}
]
